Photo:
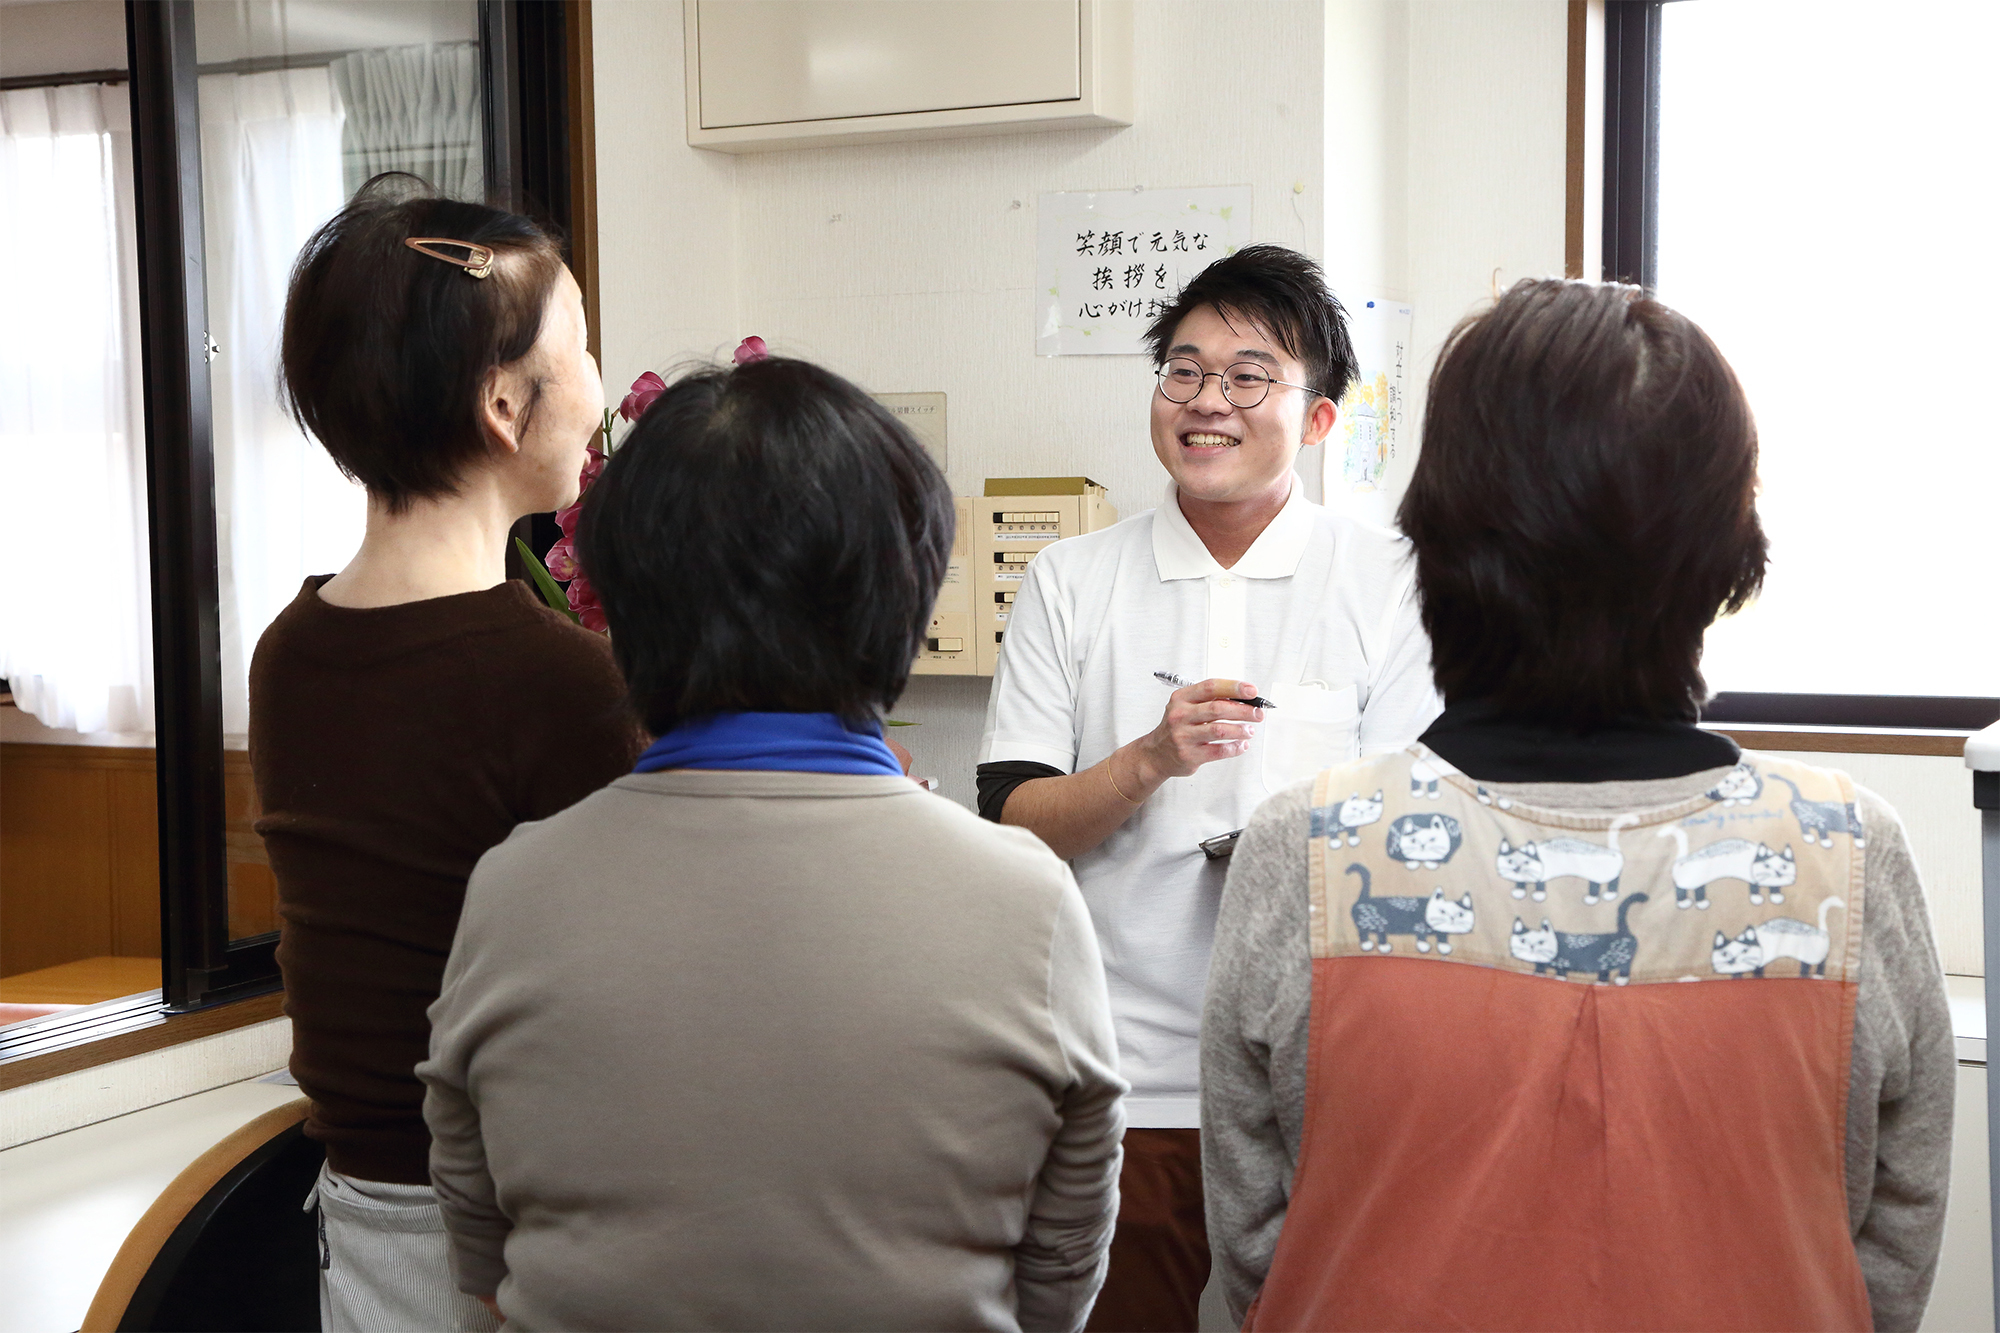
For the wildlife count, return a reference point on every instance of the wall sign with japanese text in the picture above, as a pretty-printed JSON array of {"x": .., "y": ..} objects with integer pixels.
[
  {"x": 1367, "y": 461},
  {"x": 1110, "y": 260}
]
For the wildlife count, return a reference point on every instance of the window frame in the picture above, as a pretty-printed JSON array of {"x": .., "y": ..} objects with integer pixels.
[
  {"x": 1631, "y": 247},
  {"x": 536, "y": 76}
]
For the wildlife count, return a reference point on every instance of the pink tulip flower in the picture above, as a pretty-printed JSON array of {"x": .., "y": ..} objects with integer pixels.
[
  {"x": 561, "y": 561},
  {"x": 583, "y": 601},
  {"x": 644, "y": 390}
]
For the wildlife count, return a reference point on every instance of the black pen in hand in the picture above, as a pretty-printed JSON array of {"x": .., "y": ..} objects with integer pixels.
[{"x": 1170, "y": 679}]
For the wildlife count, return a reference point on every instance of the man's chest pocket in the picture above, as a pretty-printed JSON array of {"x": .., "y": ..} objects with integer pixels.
[{"x": 1311, "y": 728}]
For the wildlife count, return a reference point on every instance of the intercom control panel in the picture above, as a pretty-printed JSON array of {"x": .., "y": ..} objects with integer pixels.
[
  {"x": 999, "y": 535},
  {"x": 948, "y": 647}
]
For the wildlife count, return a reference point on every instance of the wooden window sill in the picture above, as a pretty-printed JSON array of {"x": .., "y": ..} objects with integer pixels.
[
  {"x": 100, "y": 1034},
  {"x": 1844, "y": 740}
]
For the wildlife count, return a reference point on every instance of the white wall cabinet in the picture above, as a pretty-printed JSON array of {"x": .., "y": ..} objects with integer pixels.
[{"x": 769, "y": 74}]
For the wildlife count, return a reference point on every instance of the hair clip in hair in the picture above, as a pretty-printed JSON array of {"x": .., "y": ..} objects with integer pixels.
[{"x": 478, "y": 261}]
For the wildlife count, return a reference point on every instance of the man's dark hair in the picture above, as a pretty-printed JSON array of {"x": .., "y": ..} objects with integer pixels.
[
  {"x": 1282, "y": 292},
  {"x": 768, "y": 539},
  {"x": 1584, "y": 506},
  {"x": 386, "y": 350}
]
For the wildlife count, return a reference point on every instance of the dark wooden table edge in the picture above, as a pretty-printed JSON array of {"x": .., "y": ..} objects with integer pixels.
[{"x": 162, "y": 1031}]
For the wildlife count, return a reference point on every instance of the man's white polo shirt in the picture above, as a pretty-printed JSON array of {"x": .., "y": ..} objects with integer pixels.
[{"x": 1320, "y": 615}]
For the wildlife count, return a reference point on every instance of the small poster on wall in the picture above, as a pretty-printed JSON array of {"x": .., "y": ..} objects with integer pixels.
[
  {"x": 1110, "y": 260},
  {"x": 1362, "y": 472},
  {"x": 923, "y": 413}
]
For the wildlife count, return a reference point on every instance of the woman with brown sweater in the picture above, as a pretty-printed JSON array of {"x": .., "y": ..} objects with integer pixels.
[{"x": 408, "y": 712}]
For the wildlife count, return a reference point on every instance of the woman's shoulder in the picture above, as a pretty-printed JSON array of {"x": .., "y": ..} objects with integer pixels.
[
  {"x": 508, "y": 615},
  {"x": 565, "y": 688},
  {"x": 1001, "y": 851},
  {"x": 531, "y": 639},
  {"x": 558, "y": 636},
  {"x": 755, "y": 831}
]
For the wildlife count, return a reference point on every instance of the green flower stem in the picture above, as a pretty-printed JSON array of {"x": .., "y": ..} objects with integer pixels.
[{"x": 545, "y": 583}]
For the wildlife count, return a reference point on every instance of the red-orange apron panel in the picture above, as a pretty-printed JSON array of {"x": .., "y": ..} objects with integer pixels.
[{"x": 1491, "y": 1150}]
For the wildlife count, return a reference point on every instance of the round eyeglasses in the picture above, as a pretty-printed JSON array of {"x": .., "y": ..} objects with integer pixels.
[{"x": 1243, "y": 384}]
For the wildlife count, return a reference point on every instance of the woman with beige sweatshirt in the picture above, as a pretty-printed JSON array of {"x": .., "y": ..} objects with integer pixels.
[{"x": 765, "y": 1035}]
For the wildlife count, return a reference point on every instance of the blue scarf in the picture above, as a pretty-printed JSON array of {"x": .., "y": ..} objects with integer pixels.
[{"x": 792, "y": 742}]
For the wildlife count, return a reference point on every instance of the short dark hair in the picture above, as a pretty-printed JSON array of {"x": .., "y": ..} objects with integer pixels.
[
  {"x": 1285, "y": 294},
  {"x": 386, "y": 350},
  {"x": 1584, "y": 505},
  {"x": 767, "y": 539}
]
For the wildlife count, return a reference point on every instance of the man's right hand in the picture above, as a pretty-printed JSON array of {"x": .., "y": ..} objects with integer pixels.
[{"x": 1203, "y": 722}]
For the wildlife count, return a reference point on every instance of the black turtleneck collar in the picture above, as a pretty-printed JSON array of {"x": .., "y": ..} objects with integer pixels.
[{"x": 1484, "y": 744}]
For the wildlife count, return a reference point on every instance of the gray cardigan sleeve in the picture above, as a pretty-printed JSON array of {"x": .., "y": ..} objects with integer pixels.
[
  {"x": 465, "y": 1189},
  {"x": 1253, "y": 1044},
  {"x": 1902, "y": 1084},
  {"x": 1059, "y": 1264}
]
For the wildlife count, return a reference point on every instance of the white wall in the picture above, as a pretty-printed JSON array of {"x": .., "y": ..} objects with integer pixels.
[
  {"x": 1962, "y": 1296},
  {"x": 1486, "y": 164},
  {"x": 911, "y": 266},
  {"x": 1445, "y": 143},
  {"x": 1373, "y": 132},
  {"x": 63, "y": 37},
  {"x": 1366, "y": 105},
  {"x": 66, "y": 36},
  {"x": 1934, "y": 798},
  {"x": 666, "y": 212}
]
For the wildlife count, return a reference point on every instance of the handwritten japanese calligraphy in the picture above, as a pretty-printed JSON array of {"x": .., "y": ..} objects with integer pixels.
[{"x": 1109, "y": 262}]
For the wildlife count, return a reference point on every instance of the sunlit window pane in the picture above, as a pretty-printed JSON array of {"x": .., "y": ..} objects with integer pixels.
[{"x": 1827, "y": 213}]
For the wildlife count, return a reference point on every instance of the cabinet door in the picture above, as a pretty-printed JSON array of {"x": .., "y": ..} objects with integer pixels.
[{"x": 767, "y": 62}]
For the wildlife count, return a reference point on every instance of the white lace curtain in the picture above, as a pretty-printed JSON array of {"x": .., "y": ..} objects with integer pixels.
[
  {"x": 271, "y": 174},
  {"x": 76, "y": 639},
  {"x": 414, "y": 109},
  {"x": 75, "y": 594},
  {"x": 281, "y": 152}
]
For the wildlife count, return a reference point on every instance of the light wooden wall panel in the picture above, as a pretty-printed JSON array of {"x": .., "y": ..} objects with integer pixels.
[
  {"x": 68, "y": 872},
  {"x": 135, "y": 861},
  {"x": 253, "y": 893},
  {"x": 80, "y": 855}
]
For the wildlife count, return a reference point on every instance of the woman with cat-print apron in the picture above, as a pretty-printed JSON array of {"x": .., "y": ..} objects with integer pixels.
[{"x": 1572, "y": 1015}]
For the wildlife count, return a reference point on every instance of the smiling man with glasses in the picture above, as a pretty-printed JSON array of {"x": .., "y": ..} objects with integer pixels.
[{"x": 1299, "y": 627}]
